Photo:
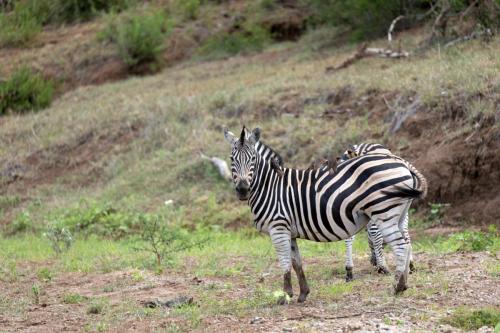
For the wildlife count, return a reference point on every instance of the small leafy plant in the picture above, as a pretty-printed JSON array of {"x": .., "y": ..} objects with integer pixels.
[
  {"x": 35, "y": 291},
  {"x": 60, "y": 238},
  {"x": 164, "y": 240},
  {"x": 474, "y": 241}
]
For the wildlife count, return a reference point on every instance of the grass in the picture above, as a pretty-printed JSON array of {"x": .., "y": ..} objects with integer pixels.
[{"x": 473, "y": 319}]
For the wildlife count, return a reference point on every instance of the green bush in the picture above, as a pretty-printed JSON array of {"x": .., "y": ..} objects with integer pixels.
[
  {"x": 366, "y": 18},
  {"x": 18, "y": 27},
  {"x": 189, "y": 8},
  {"x": 228, "y": 44},
  {"x": 21, "y": 223},
  {"x": 69, "y": 11},
  {"x": 469, "y": 319},
  {"x": 140, "y": 39},
  {"x": 25, "y": 91},
  {"x": 96, "y": 219}
]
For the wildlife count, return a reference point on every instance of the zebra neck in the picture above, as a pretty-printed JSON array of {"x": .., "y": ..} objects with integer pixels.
[{"x": 265, "y": 190}]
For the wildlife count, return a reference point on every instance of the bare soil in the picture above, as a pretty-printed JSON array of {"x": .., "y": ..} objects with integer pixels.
[{"x": 441, "y": 283}]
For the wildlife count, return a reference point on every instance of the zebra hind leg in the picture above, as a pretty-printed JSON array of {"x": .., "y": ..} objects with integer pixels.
[
  {"x": 376, "y": 241},
  {"x": 348, "y": 259},
  {"x": 297, "y": 266},
  {"x": 404, "y": 228},
  {"x": 389, "y": 227}
]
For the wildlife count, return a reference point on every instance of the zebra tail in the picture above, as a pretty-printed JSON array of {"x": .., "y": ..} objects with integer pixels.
[
  {"x": 404, "y": 192},
  {"x": 423, "y": 186}
]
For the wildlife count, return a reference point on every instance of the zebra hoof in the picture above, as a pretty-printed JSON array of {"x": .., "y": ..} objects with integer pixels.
[
  {"x": 302, "y": 297},
  {"x": 373, "y": 260},
  {"x": 348, "y": 275},
  {"x": 382, "y": 270},
  {"x": 400, "y": 283},
  {"x": 413, "y": 269}
]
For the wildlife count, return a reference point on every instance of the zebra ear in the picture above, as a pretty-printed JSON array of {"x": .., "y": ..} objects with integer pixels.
[
  {"x": 229, "y": 136},
  {"x": 256, "y": 134},
  {"x": 253, "y": 138}
]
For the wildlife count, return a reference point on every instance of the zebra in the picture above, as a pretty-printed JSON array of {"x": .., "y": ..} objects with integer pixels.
[
  {"x": 375, "y": 239},
  {"x": 319, "y": 206}
]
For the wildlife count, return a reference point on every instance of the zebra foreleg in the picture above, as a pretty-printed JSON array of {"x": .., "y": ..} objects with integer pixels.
[
  {"x": 281, "y": 239},
  {"x": 297, "y": 266},
  {"x": 348, "y": 259}
]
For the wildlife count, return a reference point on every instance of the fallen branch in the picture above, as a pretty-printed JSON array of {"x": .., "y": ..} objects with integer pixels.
[
  {"x": 220, "y": 164},
  {"x": 474, "y": 35},
  {"x": 386, "y": 53},
  {"x": 360, "y": 53},
  {"x": 364, "y": 52},
  {"x": 391, "y": 28}
]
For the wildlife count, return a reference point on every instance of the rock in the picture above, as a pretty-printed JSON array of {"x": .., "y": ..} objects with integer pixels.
[
  {"x": 256, "y": 320},
  {"x": 170, "y": 303}
]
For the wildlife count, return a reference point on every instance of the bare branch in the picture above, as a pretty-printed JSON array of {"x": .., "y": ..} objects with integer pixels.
[{"x": 391, "y": 28}]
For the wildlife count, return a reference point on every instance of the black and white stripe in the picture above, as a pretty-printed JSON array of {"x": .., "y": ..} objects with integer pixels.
[{"x": 320, "y": 206}]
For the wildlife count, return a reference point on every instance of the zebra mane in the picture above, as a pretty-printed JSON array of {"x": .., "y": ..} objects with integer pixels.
[{"x": 268, "y": 153}]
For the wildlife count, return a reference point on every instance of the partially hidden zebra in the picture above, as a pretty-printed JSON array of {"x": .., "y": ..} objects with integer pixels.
[
  {"x": 375, "y": 239},
  {"x": 322, "y": 206}
]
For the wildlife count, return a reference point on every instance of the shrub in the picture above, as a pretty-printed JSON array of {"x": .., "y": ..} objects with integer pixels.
[
  {"x": 21, "y": 223},
  {"x": 163, "y": 240},
  {"x": 228, "y": 44},
  {"x": 18, "y": 27},
  {"x": 25, "y": 91},
  {"x": 366, "y": 18},
  {"x": 140, "y": 38},
  {"x": 189, "y": 8},
  {"x": 468, "y": 319},
  {"x": 97, "y": 219},
  {"x": 68, "y": 11}
]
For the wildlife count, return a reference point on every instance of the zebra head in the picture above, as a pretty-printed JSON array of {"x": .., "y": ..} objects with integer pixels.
[{"x": 243, "y": 157}]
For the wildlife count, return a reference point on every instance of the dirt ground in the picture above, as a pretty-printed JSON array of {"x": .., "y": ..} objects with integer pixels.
[{"x": 441, "y": 282}]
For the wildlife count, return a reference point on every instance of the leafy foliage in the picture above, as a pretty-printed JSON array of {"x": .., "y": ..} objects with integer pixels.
[
  {"x": 18, "y": 27},
  {"x": 139, "y": 38},
  {"x": 227, "y": 44},
  {"x": 474, "y": 241},
  {"x": 25, "y": 91},
  {"x": 366, "y": 18}
]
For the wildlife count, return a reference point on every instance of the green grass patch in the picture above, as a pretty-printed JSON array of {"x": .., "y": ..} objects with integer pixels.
[
  {"x": 73, "y": 298},
  {"x": 472, "y": 319}
]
